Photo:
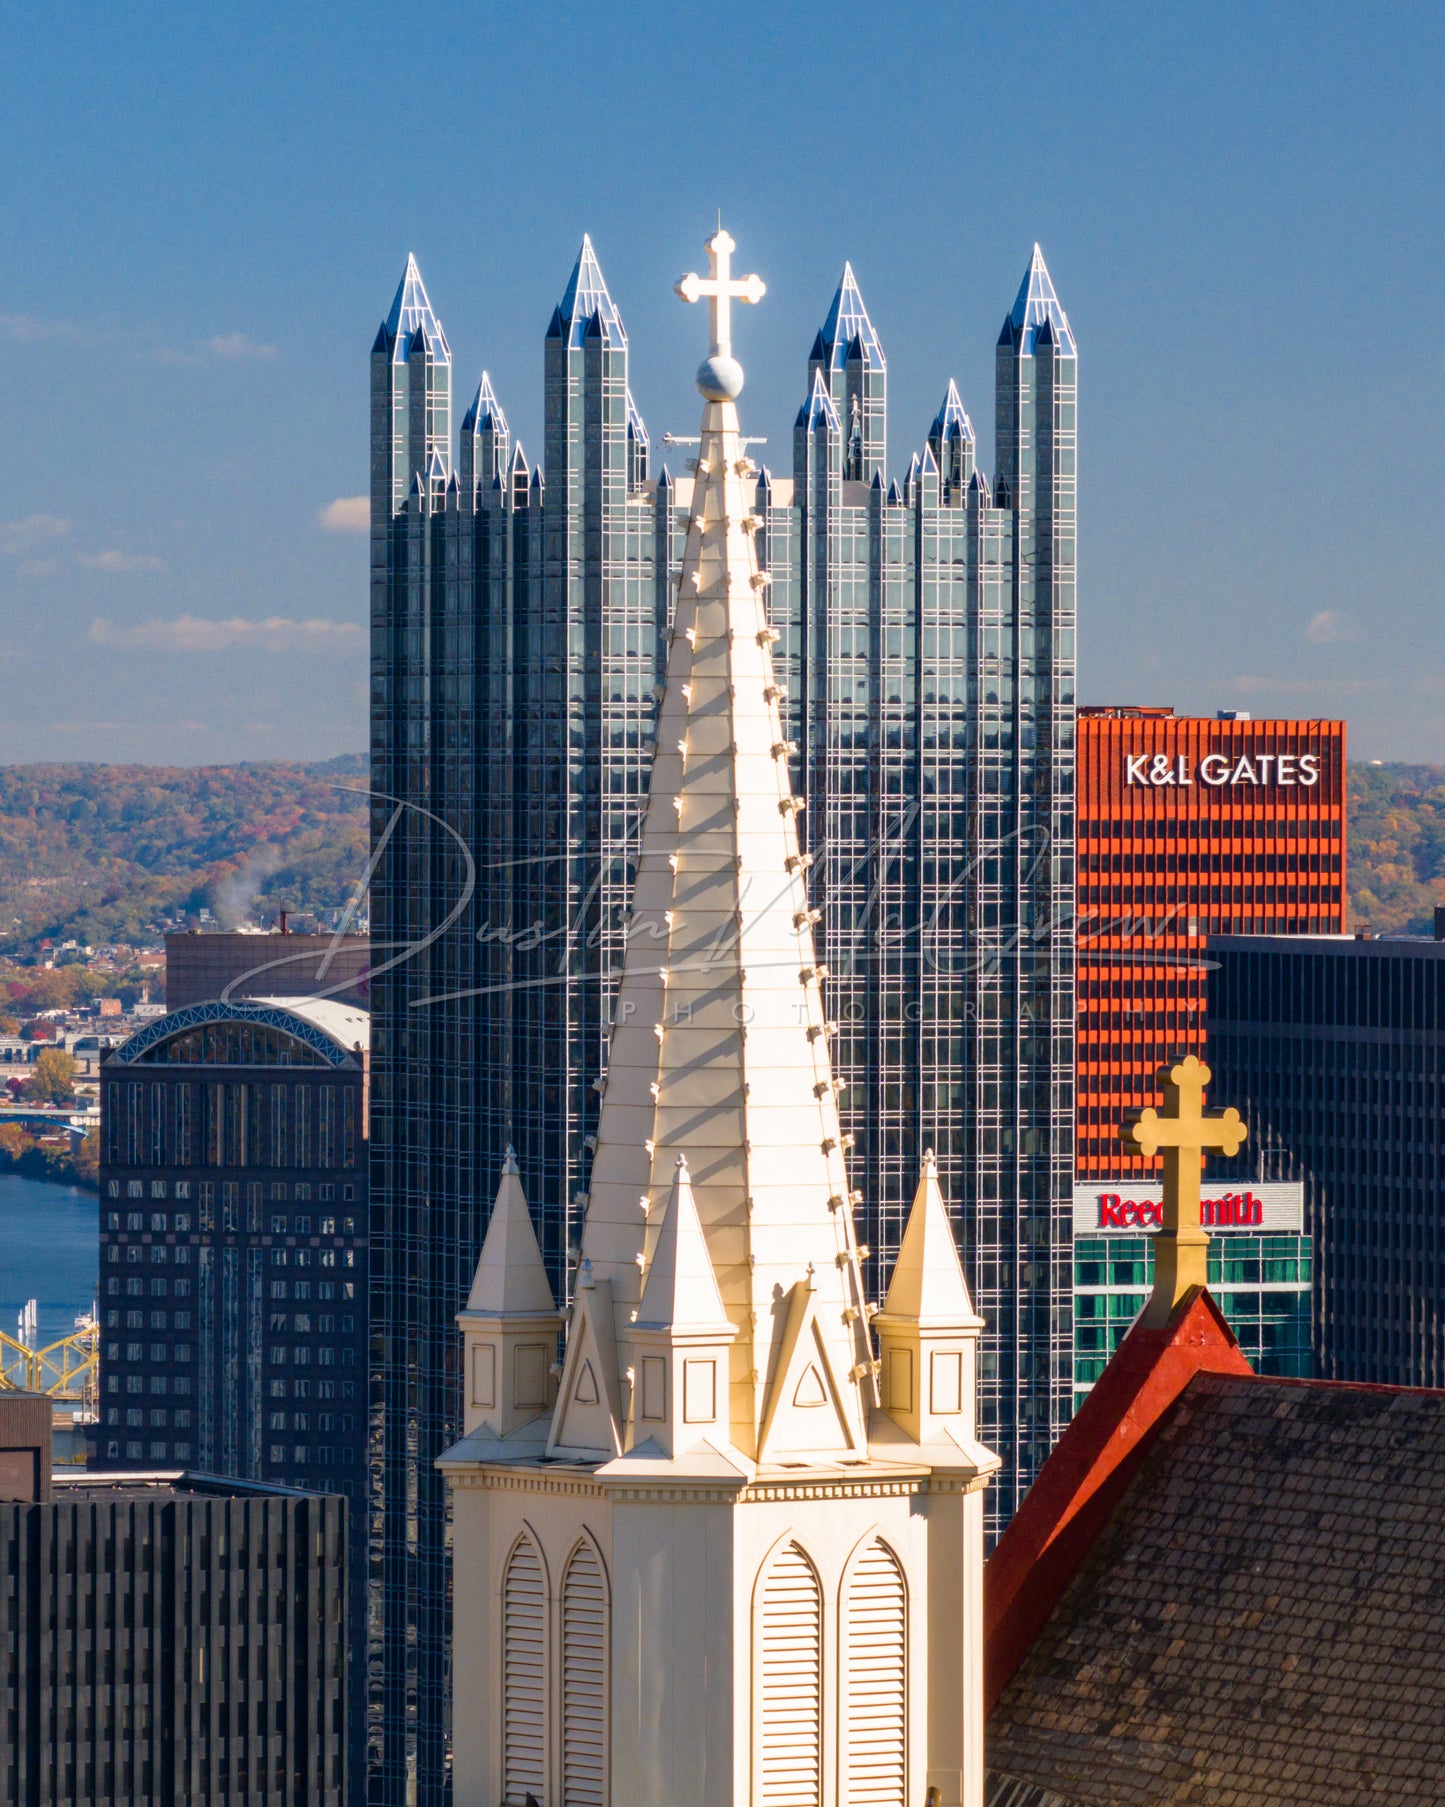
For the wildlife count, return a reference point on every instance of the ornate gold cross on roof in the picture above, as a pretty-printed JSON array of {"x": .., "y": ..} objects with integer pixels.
[
  {"x": 721, "y": 289},
  {"x": 1182, "y": 1133}
]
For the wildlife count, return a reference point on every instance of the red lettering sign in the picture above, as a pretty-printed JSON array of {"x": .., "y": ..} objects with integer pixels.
[{"x": 1231, "y": 1210}]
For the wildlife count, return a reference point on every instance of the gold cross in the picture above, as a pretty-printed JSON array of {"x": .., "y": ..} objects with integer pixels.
[
  {"x": 721, "y": 290},
  {"x": 1183, "y": 1133}
]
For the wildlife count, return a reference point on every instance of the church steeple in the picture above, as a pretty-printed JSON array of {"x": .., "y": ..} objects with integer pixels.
[
  {"x": 720, "y": 1046},
  {"x": 725, "y": 1572}
]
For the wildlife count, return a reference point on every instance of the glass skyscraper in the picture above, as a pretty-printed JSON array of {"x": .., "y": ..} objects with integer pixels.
[{"x": 926, "y": 644}]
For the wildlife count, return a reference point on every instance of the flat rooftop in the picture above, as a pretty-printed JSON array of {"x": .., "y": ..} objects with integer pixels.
[{"x": 161, "y": 1483}]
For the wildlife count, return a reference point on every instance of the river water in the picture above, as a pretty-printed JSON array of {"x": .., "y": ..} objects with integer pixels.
[{"x": 49, "y": 1252}]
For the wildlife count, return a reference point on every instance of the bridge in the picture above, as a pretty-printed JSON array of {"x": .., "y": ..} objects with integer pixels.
[
  {"x": 67, "y": 1371},
  {"x": 50, "y": 1116}
]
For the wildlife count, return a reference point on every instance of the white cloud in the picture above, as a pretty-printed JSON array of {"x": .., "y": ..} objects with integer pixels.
[
  {"x": 226, "y": 348},
  {"x": 33, "y": 531},
  {"x": 347, "y": 514},
  {"x": 199, "y": 634},
  {"x": 115, "y": 560},
  {"x": 1326, "y": 626},
  {"x": 27, "y": 327},
  {"x": 238, "y": 348}
]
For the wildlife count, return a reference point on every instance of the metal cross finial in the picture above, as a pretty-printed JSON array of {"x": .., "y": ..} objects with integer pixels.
[
  {"x": 1183, "y": 1133},
  {"x": 721, "y": 290}
]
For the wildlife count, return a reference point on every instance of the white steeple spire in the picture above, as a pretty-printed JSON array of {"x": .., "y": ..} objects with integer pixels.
[
  {"x": 700, "y": 1573},
  {"x": 720, "y": 1042}
]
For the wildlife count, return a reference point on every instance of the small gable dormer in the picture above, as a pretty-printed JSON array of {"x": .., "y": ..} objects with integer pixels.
[
  {"x": 588, "y": 1419},
  {"x": 813, "y": 1410},
  {"x": 928, "y": 1329},
  {"x": 510, "y": 1324},
  {"x": 679, "y": 1344}
]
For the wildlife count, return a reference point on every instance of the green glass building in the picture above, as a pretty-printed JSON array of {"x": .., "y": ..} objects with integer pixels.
[{"x": 1260, "y": 1272}]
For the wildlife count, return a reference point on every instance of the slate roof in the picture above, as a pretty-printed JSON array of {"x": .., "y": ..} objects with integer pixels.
[{"x": 1261, "y": 1623}]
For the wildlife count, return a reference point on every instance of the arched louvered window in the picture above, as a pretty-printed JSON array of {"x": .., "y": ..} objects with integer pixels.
[
  {"x": 874, "y": 1708},
  {"x": 788, "y": 1724},
  {"x": 524, "y": 1675},
  {"x": 585, "y": 1660}
]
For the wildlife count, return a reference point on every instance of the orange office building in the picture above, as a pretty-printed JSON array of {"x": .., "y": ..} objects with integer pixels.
[{"x": 1187, "y": 827}]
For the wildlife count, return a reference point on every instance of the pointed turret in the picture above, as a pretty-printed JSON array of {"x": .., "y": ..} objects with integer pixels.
[
  {"x": 681, "y": 1338},
  {"x": 412, "y": 312},
  {"x": 818, "y": 412},
  {"x": 511, "y": 1321},
  {"x": 951, "y": 420},
  {"x": 1035, "y": 304},
  {"x": 928, "y": 1327},
  {"x": 410, "y": 381},
  {"x": 720, "y": 1046},
  {"x": 849, "y": 353},
  {"x": 485, "y": 411},
  {"x": 485, "y": 438},
  {"x": 586, "y": 299},
  {"x": 680, "y": 1292},
  {"x": 510, "y": 1276},
  {"x": 848, "y": 325}
]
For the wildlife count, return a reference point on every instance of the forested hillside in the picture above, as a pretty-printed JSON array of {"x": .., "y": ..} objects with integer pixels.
[
  {"x": 104, "y": 853},
  {"x": 1397, "y": 845}
]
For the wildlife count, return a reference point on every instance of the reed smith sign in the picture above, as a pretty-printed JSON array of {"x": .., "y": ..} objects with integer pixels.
[{"x": 1127, "y": 1207}]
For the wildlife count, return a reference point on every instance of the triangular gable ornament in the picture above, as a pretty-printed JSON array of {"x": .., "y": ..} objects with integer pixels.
[
  {"x": 588, "y": 1415},
  {"x": 812, "y": 1410}
]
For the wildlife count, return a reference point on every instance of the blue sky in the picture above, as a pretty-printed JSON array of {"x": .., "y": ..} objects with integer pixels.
[{"x": 205, "y": 212}]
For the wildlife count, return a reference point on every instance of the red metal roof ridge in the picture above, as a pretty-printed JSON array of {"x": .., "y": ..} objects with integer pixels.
[{"x": 1075, "y": 1492}]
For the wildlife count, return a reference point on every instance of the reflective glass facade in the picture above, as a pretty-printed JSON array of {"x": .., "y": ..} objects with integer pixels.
[
  {"x": 1261, "y": 1284},
  {"x": 1334, "y": 1051},
  {"x": 926, "y": 644},
  {"x": 233, "y": 1257}
]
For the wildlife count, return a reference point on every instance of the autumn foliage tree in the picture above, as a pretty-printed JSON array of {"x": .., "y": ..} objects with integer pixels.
[{"x": 52, "y": 1078}]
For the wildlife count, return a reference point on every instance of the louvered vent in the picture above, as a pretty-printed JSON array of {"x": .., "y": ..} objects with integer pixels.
[
  {"x": 524, "y": 1676},
  {"x": 790, "y": 1681},
  {"x": 875, "y": 1689},
  {"x": 584, "y": 1681}
]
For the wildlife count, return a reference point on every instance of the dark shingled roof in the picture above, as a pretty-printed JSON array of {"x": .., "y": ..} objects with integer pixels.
[{"x": 1261, "y": 1623}]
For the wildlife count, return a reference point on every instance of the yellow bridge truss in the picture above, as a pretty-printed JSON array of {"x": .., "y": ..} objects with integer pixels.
[{"x": 67, "y": 1371}]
